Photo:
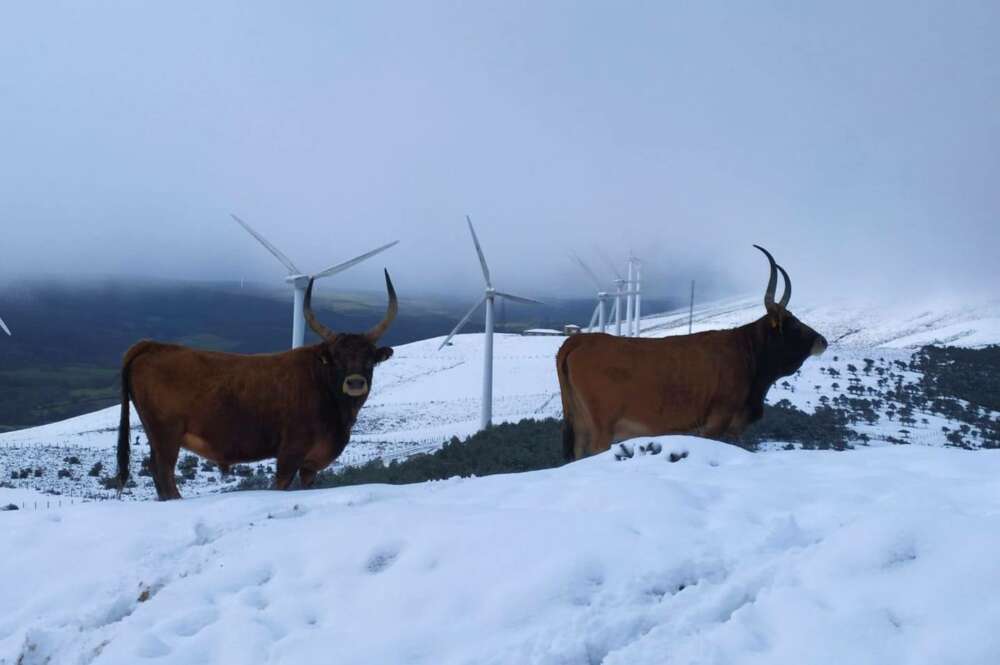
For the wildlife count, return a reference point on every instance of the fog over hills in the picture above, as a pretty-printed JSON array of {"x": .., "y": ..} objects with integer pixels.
[{"x": 69, "y": 336}]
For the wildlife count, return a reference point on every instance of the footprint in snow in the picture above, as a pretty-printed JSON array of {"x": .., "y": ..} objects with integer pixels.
[
  {"x": 382, "y": 559},
  {"x": 204, "y": 534},
  {"x": 192, "y": 622},
  {"x": 150, "y": 646},
  {"x": 253, "y": 598},
  {"x": 288, "y": 513}
]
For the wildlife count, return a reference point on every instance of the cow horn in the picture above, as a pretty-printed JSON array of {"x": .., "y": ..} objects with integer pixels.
[
  {"x": 315, "y": 325},
  {"x": 772, "y": 281},
  {"x": 786, "y": 295},
  {"x": 390, "y": 314}
]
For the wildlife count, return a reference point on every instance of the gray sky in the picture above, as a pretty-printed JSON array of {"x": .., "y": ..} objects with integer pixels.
[{"x": 859, "y": 141}]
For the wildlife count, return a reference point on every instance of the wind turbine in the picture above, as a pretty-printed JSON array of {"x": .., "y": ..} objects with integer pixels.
[
  {"x": 300, "y": 280},
  {"x": 622, "y": 289},
  {"x": 636, "y": 295},
  {"x": 630, "y": 299},
  {"x": 490, "y": 294},
  {"x": 600, "y": 315}
]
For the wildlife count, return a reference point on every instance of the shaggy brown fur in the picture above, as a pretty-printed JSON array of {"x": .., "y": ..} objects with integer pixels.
[
  {"x": 711, "y": 383},
  {"x": 298, "y": 406}
]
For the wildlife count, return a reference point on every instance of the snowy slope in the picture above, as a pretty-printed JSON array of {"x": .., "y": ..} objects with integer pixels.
[
  {"x": 424, "y": 396},
  {"x": 883, "y": 555},
  {"x": 853, "y": 324}
]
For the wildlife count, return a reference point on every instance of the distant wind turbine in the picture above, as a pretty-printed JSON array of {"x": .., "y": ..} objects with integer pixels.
[
  {"x": 600, "y": 315},
  {"x": 490, "y": 294},
  {"x": 636, "y": 287},
  {"x": 622, "y": 289},
  {"x": 300, "y": 280}
]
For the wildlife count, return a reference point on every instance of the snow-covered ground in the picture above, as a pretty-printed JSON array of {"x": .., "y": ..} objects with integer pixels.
[
  {"x": 424, "y": 396},
  {"x": 883, "y": 555}
]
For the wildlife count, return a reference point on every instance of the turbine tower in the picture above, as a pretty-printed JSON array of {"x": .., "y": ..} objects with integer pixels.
[
  {"x": 630, "y": 299},
  {"x": 637, "y": 287},
  {"x": 623, "y": 289},
  {"x": 490, "y": 294},
  {"x": 299, "y": 280},
  {"x": 600, "y": 316}
]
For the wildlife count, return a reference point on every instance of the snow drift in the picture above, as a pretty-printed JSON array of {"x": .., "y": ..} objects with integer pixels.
[{"x": 883, "y": 555}]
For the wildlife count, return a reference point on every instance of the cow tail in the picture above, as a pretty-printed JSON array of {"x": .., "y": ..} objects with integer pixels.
[
  {"x": 124, "y": 426},
  {"x": 568, "y": 435}
]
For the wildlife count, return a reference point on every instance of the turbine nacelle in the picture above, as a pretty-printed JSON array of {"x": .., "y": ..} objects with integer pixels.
[{"x": 300, "y": 280}]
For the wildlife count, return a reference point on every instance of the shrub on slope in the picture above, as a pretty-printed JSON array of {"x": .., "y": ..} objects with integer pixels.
[
  {"x": 505, "y": 448},
  {"x": 972, "y": 375},
  {"x": 824, "y": 429}
]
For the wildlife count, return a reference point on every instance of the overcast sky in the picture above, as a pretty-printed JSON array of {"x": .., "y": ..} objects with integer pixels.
[{"x": 859, "y": 141}]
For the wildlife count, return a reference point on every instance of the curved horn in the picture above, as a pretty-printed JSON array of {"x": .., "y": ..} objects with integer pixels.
[
  {"x": 316, "y": 326},
  {"x": 786, "y": 295},
  {"x": 772, "y": 281},
  {"x": 390, "y": 313}
]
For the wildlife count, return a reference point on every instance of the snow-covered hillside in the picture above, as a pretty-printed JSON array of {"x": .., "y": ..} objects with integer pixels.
[
  {"x": 883, "y": 555},
  {"x": 424, "y": 396}
]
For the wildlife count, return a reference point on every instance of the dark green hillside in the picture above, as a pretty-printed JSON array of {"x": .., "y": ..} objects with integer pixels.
[{"x": 68, "y": 340}]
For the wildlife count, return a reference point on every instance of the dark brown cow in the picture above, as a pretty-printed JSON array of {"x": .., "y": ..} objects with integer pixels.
[
  {"x": 711, "y": 383},
  {"x": 298, "y": 406}
]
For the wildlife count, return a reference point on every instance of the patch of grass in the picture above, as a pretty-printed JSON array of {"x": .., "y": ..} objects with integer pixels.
[{"x": 506, "y": 448}]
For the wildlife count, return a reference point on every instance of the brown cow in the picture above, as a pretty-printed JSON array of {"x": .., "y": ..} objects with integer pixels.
[
  {"x": 298, "y": 406},
  {"x": 711, "y": 383}
]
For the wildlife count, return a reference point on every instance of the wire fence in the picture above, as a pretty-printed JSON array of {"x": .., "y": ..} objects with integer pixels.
[{"x": 50, "y": 504}]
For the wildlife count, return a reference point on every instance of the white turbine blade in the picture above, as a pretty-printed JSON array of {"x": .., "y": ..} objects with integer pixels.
[
  {"x": 586, "y": 269},
  {"x": 479, "y": 250},
  {"x": 340, "y": 267},
  {"x": 609, "y": 262},
  {"x": 614, "y": 310},
  {"x": 461, "y": 323},
  {"x": 5, "y": 328},
  {"x": 526, "y": 301},
  {"x": 285, "y": 261},
  {"x": 593, "y": 319}
]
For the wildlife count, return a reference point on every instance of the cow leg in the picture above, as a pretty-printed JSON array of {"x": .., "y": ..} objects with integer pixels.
[
  {"x": 166, "y": 460},
  {"x": 717, "y": 424},
  {"x": 581, "y": 443},
  {"x": 163, "y": 451},
  {"x": 307, "y": 477},
  {"x": 600, "y": 441},
  {"x": 155, "y": 473},
  {"x": 287, "y": 466}
]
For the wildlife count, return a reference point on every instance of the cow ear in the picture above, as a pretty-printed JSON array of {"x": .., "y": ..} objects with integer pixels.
[{"x": 383, "y": 353}]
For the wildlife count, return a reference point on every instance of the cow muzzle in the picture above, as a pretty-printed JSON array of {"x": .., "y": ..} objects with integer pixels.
[
  {"x": 355, "y": 385},
  {"x": 819, "y": 346}
]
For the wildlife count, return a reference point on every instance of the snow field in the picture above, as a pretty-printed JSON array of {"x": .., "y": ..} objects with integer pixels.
[
  {"x": 423, "y": 396},
  {"x": 883, "y": 555}
]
